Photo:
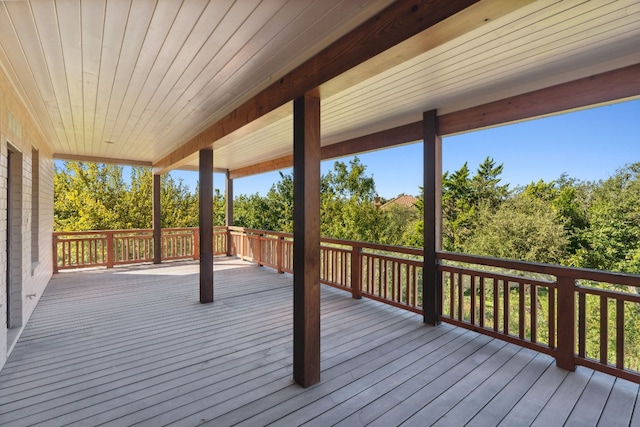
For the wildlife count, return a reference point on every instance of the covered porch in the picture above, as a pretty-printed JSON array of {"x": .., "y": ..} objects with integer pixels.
[{"x": 132, "y": 345}]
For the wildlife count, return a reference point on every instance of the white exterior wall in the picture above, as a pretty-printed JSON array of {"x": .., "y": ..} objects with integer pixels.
[{"x": 30, "y": 271}]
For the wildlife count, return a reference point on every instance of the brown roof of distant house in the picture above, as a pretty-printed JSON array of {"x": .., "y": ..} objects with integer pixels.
[{"x": 402, "y": 200}]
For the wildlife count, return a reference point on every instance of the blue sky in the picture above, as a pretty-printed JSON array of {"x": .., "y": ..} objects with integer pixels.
[{"x": 587, "y": 145}]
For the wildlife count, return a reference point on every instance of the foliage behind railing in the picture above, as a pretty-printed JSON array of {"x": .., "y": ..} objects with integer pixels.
[{"x": 579, "y": 316}]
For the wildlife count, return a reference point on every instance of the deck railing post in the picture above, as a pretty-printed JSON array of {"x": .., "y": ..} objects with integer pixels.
[
  {"x": 356, "y": 272},
  {"x": 259, "y": 251},
  {"x": 280, "y": 254},
  {"x": 565, "y": 357},
  {"x": 110, "y": 250},
  {"x": 196, "y": 244}
]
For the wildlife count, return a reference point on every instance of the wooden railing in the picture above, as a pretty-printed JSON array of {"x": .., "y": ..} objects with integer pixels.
[
  {"x": 390, "y": 274},
  {"x": 109, "y": 248},
  {"x": 579, "y": 316},
  {"x": 552, "y": 309}
]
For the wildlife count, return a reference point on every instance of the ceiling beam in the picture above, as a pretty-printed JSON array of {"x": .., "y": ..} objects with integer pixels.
[
  {"x": 372, "y": 142},
  {"x": 394, "y": 25},
  {"x": 586, "y": 92},
  {"x": 107, "y": 160}
]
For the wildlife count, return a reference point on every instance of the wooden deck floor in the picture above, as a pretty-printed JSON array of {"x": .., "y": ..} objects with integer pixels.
[{"x": 133, "y": 346}]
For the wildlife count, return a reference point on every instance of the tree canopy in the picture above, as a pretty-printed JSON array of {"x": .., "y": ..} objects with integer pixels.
[{"x": 565, "y": 221}]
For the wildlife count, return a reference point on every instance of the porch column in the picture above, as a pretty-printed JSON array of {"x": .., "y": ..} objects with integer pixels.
[
  {"x": 206, "y": 225},
  {"x": 157, "y": 219},
  {"x": 228, "y": 217},
  {"x": 432, "y": 279},
  {"x": 306, "y": 240}
]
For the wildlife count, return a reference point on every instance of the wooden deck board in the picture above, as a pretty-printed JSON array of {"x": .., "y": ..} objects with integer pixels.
[
  {"x": 133, "y": 345},
  {"x": 564, "y": 398},
  {"x": 527, "y": 409},
  {"x": 619, "y": 408},
  {"x": 459, "y": 406},
  {"x": 588, "y": 409}
]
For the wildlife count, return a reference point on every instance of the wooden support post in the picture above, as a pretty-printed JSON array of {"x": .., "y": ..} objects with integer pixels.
[
  {"x": 157, "y": 219},
  {"x": 565, "y": 357},
  {"x": 431, "y": 278},
  {"x": 228, "y": 217},
  {"x": 306, "y": 240},
  {"x": 206, "y": 225}
]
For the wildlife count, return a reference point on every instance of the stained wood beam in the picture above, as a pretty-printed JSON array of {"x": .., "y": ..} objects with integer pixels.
[
  {"x": 206, "y": 225},
  {"x": 306, "y": 238},
  {"x": 391, "y": 27},
  {"x": 376, "y": 141},
  {"x": 432, "y": 185},
  {"x": 157, "y": 221},
  {"x": 590, "y": 91},
  {"x": 107, "y": 160}
]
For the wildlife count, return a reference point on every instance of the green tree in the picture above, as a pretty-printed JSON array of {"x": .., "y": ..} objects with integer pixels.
[
  {"x": 523, "y": 227},
  {"x": 458, "y": 208},
  {"x": 612, "y": 235},
  {"x": 347, "y": 203},
  {"x": 89, "y": 196},
  {"x": 485, "y": 185},
  {"x": 399, "y": 224}
]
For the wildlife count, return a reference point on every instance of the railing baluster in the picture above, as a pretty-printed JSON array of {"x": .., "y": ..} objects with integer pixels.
[
  {"x": 604, "y": 330},
  {"x": 482, "y": 302},
  {"x": 496, "y": 305},
  {"x": 452, "y": 295},
  {"x": 551, "y": 315},
  {"x": 620, "y": 333},
  {"x": 582, "y": 324},
  {"x": 280, "y": 255},
  {"x": 356, "y": 272},
  {"x": 109, "y": 250},
  {"x": 533, "y": 291},
  {"x": 259, "y": 250},
  {"x": 383, "y": 281},
  {"x": 460, "y": 296},
  {"x": 393, "y": 274},
  {"x": 507, "y": 314},
  {"x": 472, "y": 298},
  {"x": 521, "y": 310}
]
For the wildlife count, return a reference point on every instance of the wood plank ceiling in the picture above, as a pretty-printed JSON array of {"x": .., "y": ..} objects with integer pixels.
[
  {"x": 131, "y": 79},
  {"x": 135, "y": 79}
]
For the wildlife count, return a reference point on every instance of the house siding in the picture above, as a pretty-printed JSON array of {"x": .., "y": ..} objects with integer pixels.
[{"x": 31, "y": 267}]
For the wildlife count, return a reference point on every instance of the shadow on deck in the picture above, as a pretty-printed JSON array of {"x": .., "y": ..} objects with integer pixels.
[{"x": 133, "y": 345}]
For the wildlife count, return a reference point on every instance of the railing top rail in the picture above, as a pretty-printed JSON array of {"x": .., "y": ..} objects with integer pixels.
[
  {"x": 554, "y": 270},
  {"x": 257, "y": 231},
  {"x": 128, "y": 231},
  {"x": 352, "y": 243}
]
